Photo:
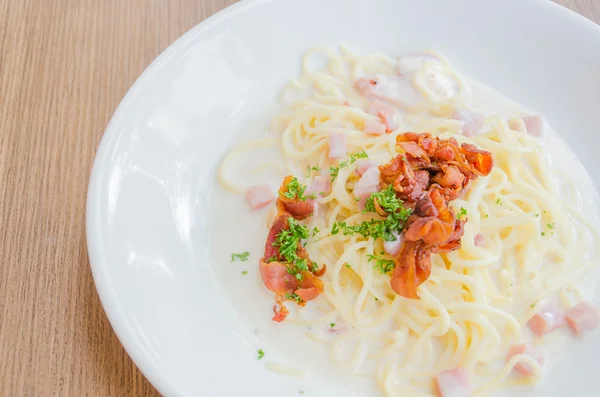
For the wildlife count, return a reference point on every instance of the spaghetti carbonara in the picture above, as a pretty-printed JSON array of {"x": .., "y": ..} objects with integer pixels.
[{"x": 490, "y": 309}]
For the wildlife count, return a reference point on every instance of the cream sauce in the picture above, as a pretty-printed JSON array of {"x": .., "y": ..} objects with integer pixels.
[{"x": 236, "y": 228}]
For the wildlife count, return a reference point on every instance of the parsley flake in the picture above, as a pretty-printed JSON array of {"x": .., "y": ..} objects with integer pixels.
[
  {"x": 462, "y": 213},
  {"x": 310, "y": 169},
  {"x": 498, "y": 201},
  {"x": 332, "y": 325},
  {"x": 242, "y": 257},
  {"x": 550, "y": 225},
  {"x": 348, "y": 266},
  {"x": 261, "y": 354},
  {"x": 315, "y": 231},
  {"x": 244, "y": 272},
  {"x": 293, "y": 297},
  {"x": 383, "y": 265},
  {"x": 287, "y": 241},
  {"x": 334, "y": 171},
  {"x": 295, "y": 190},
  {"x": 536, "y": 215}
]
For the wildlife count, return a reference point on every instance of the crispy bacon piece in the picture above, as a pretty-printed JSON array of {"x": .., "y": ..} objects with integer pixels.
[
  {"x": 275, "y": 273},
  {"x": 298, "y": 208},
  {"x": 427, "y": 174},
  {"x": 432, "y": 220},
  {"x": 408, "y": 184},
  {"x": 413, "y": 266}
]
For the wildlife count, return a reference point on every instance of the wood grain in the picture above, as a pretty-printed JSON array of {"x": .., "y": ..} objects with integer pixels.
[{"x": 64, "y": 66}]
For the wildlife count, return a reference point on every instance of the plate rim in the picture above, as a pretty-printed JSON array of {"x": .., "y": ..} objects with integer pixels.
[{"x": 95, "y": 241}]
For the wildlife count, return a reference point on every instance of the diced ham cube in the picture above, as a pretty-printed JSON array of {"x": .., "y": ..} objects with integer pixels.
[
  {"x": 374, "y": 127},
  {"x": 548, "y": 319},
  {"x": 367, "y": 184},
  {"x": 393, "y": 247},
  {"x": 472, "y": 121},
  {"x": 453, "y": 383},
  {"x": 320, "y": 185},
  {"x": 385, "y": 112},
  {"x": 524, "y": 368},
  {"x": 583, "y": 318},
  {"x": 337, "y": 146},
  {"x": 362, "y": 165},
  {"x": 534, "y": 125},
  {"x": 259, "y": 196},
  {"x": 479, "y": 240}
]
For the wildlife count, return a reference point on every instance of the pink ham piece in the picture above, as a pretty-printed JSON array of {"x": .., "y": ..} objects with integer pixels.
[
  {"x": 472, "y": 121},
  {"x": 367, "y": 184},
  {"x": 534, "y": 125},
  {"x": 523, "y": 368},
  {"x": 393, "y": 247},
  {"x": 362, "y": 165},
  {"x": 397, "y": 90},
  {"x": 385, "y": 112},
  {"x": 320, "y": 185},
  {"x": 453, "y": 383},
  {"x": 337, "y": 146},
  {"x": 374, "y": 127},
  {"x": 479, "y": 240},
  {"x": 548, "y": 319},
  {"x": 260, "y": 196},
  {"x": 583, "y": 318}
]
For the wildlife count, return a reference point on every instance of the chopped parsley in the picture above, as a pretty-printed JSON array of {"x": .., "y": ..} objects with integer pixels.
[
  {"x": 543, "y": 234},
  {"x": 348, "y": 266},
  {"x": 293, "y": 297},
  {"x": 536, "y": 215},
  {"x": 315, "y": 231},
  {"x": 387, "y": 229},
  {"x": 550, "y": 225},
  {"x": 261, "y": 354},
  {"x": 310, "y": 169},
  {"x": 332, "y": 325},
  {"x": 383, "y": 265},
  {"x": 295, "y": 190},
  {"x": 487, "y": 215},
  {"x": 334, "y": 171},
  {"x": 498, "y": 201},
  {"x": 532, "y": 305},
  {"x": 386, "y": 199},
  {"x": 287, "y": 242},
  {"x": 244, "y": 272},
  {"x": 462, "y": 213},
  {"x": 376, "y": 298},
  {"x": 243, "y": 256}
]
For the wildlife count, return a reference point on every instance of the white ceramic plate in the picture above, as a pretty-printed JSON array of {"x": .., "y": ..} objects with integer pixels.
[{"x": 148, "y": 198}]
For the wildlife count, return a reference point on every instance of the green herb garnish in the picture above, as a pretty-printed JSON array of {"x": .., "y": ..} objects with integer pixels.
[
  {"x": 295, "y": 190},
  {"x": 243, "y": 256},
  {"x": 498, "y": 201},
  {"x": 332, "y": 325},
  {"x": 287, "y": 242},
  {"x": 244, "y": 272},
  {"x": 261, "y": 354},
  {"x": 383, "y": 265},
  {"x": 310, "y": 169},
  {"x": 462, "y": 213},
  {"x": 293, "y": 297},
  {"x": 550, "y": 225},
  {"x": 334, "y": 171}
]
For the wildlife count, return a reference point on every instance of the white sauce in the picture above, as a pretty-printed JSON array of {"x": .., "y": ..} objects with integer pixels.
[{"x": 236, "y": 228}]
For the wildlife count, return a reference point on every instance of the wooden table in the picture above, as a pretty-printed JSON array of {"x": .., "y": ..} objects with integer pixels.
[{"x": 64, "y": 67}]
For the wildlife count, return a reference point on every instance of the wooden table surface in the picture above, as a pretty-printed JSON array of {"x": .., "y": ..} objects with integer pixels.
[{"x": 64, "y": 67}]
